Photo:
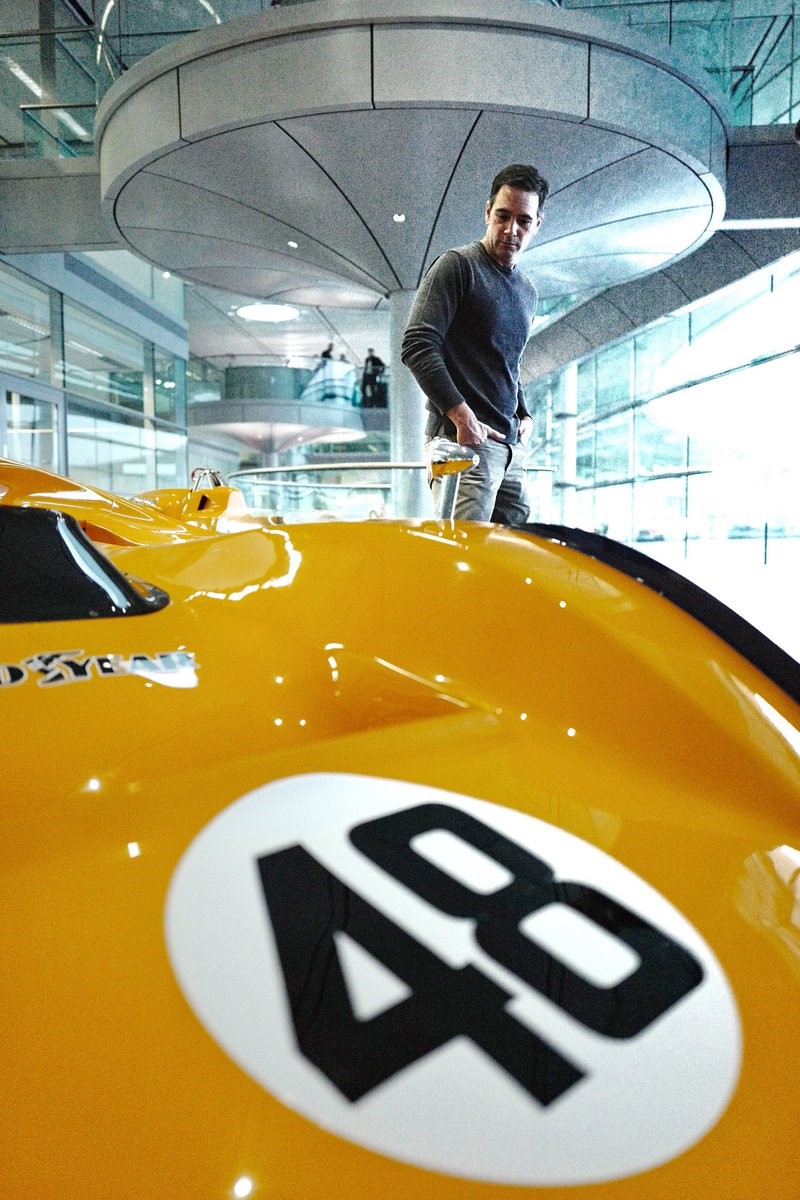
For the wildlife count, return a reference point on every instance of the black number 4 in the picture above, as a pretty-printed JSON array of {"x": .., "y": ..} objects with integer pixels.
[{"x": 307, "y": 905}]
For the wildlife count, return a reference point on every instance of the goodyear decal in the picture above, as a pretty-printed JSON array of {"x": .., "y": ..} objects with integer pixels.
[
  {"x": 58, "y": 667},
  {"x": 452, "y": 983}
]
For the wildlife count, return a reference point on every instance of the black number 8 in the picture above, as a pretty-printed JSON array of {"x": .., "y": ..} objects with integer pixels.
[
  {"x": 666, "y": 970},
  {"x": 308, "y": 905}
]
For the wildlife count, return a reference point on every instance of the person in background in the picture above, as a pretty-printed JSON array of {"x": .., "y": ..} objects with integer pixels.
[
  {"x": 468, "y": 328},
  {"x": 372, "y": 391}
]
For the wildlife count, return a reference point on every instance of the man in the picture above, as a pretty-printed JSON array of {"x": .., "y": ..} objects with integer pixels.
[
  {"x": 370, "y": 379},
  {"x": 468, "y": 328}
]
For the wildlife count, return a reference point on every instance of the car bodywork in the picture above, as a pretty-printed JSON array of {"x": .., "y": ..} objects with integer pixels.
[{"x": 256, "y": 776}]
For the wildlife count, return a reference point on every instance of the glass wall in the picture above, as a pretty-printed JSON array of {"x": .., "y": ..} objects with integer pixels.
[
  {"x": 101, "y": 360},
  {"x": 122, "y": 453},
  {"x": 47, "y": 80},
  {"x": 109, "y": 450},
  {"x": 57, "y": 63},
  {"x": 85, "y": 397},
  {"x": 166, "y": 289},
  {"x": 686, "y": 435},
  {"x": 204, "y": 381},
  {"x": 25, "y": 347},
  {"x": 214, "y": 450},
  {"x": 169, "y": 386},
  {"x": 31, "y": 430}
]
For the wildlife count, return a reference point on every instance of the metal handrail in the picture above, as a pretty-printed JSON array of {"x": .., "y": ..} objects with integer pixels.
[
  {"x": 47, "y": 106},
  {"x": 33, "y": 113},
  {"x": 18, "y": 35},
  {"x": 445, "y": 464},
  {"x": 306, "y": 468},
  {"x": 365, "y": 466},
  {"x": 329, "y": 487},
  {"x": 300, "y": 487}
]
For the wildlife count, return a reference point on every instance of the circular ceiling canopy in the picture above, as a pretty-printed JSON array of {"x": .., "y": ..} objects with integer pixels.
[{"x": 272, "y": 156}]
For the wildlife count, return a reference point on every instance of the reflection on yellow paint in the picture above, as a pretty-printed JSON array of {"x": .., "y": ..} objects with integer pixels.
[
  {"x": 570, "y": 694},
  {"x": 790, "y": 733},
  {"x": 769, "y": 896}
]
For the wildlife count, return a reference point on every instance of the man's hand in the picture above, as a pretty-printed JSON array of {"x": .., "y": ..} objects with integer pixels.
[
  {"x": 525, "y": 430},
  {"x": 469, "y": 430}
]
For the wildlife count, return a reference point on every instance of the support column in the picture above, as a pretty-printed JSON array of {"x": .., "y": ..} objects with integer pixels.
[
  {"x": 47, "y": 66},
  {"x": 410, "y": 494},
  {"x": 566, "y": 413}
]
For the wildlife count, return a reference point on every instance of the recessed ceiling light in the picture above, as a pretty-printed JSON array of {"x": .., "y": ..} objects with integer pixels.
[
  {"x": 292, "y": 244},
  {"x": 399, "y": 218},
  {"x": 273, "y": 313}
]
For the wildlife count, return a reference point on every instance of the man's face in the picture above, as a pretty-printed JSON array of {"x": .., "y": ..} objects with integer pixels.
[{"x": 511, "y": 222}]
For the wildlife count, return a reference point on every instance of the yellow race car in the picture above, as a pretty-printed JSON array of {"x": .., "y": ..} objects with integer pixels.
[{"x": 386, "y": 859}]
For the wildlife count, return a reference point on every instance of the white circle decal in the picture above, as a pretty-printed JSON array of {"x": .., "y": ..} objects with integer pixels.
[{"x": 451, "y": 983}]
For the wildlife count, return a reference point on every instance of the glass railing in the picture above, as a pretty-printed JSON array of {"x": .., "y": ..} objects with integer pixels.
[
  {"x": 52, "y": 79},
  {"x": 323, "y": 493},
  {"x": 58, "y": 130},
  {"x": 698, "y": 29},
  {"x": 369, "y": 491},
  {"x": 332, "y": 381},
  {"x": 265, "y": 382},
  {"x": 49, "y": 85}
]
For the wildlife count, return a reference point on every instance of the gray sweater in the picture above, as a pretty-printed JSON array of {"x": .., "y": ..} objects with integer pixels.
[{"x": 468, "y": 327}]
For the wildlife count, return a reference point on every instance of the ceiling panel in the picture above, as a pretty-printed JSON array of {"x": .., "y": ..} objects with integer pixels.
[
  {"x": 362, "y": 153},
  {"x": 627, "y": 249},
  {"x": 334, "y": 295},
  {"x": 648, "y": 233},
  {"x": 642, "y": 184},
  {"x": 564, "y": 277},
  {"x": 262, "y": 169},
  {"x": 333, "y": 179},
  {"x": 163, "y": 202},
  {"x": 563, "y": 151},
  {"x": 224, "y": 244}
]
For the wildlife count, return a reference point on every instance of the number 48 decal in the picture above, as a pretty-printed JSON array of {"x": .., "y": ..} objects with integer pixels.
[{"x": 308, "y": 905}]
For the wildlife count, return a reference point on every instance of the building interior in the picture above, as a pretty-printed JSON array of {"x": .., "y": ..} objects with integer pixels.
[
  {"x": 197, "y": 198},
  {"x": 351, "y": 850}
]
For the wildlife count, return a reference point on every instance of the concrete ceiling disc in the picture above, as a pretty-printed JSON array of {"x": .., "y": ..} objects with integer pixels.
[{"x": 292, "y": 143}]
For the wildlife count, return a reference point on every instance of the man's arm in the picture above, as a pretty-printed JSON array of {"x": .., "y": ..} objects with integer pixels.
[{"x": 432, "y": 314}]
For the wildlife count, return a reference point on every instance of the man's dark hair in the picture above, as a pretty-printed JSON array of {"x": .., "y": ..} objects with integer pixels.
[{"x": 526, "y": 178}]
